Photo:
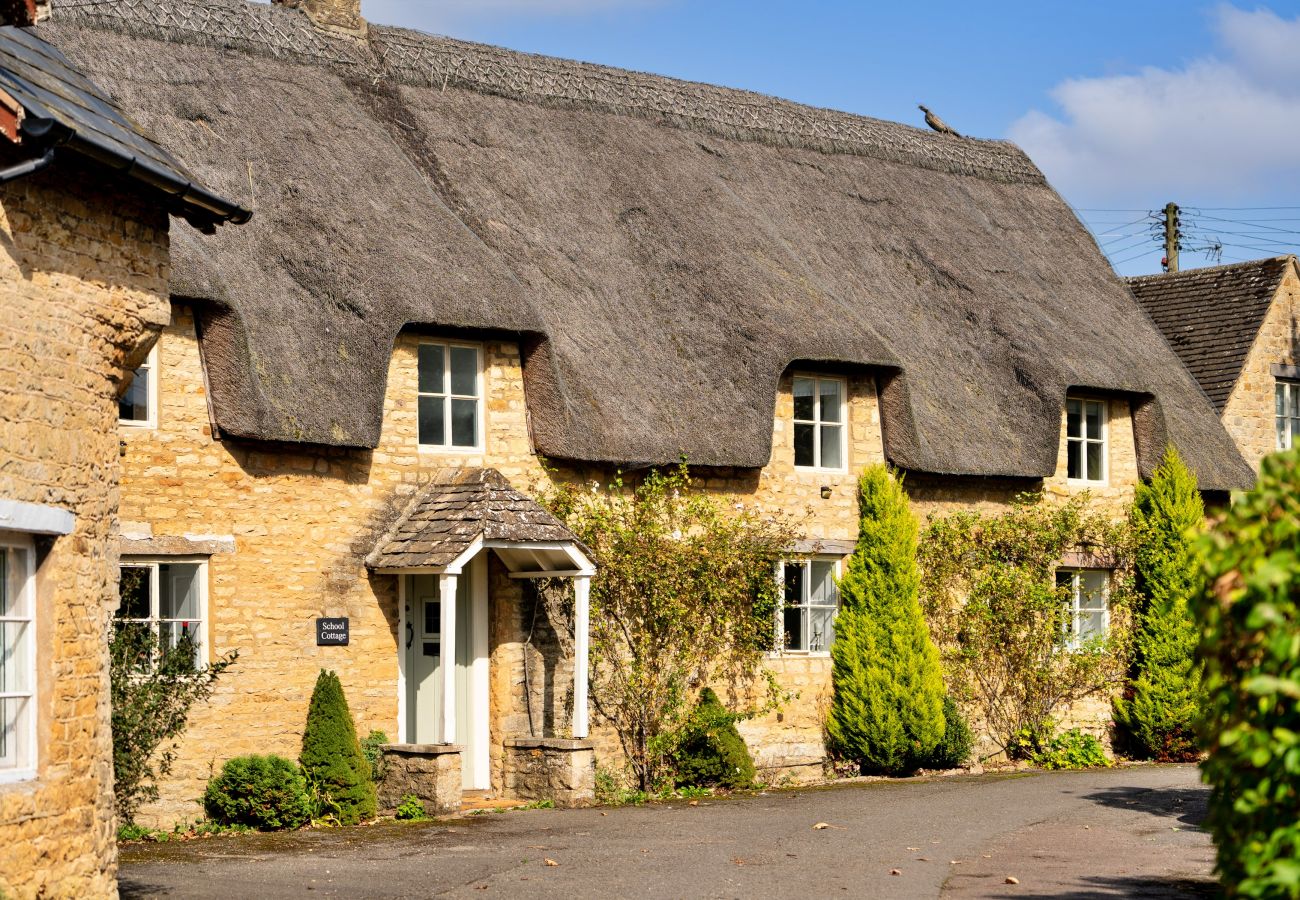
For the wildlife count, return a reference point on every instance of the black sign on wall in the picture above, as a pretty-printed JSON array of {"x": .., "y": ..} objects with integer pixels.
[{"x": 332, "y": 632}]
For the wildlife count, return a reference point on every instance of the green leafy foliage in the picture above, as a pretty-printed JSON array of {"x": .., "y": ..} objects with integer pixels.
[
  {"x": 1073, "y": 749},
  {"x": 887, "y": 707},
  {"x": 955, "y": 748},
  {"x": 331, "y": 755},
  {"x": 1157, "y": 712},
  {"x": 370, "y": 748},
  {"x": 684, "y": 595},
  {"x": 990, "y": 593},
  {"x": 1249, "y": 614},
  {"x": 712, "y": 752},
  {"x": 411, "y": 809},
  {"x": 268, "y": 793},
  {"x": 152, "y": 688}
]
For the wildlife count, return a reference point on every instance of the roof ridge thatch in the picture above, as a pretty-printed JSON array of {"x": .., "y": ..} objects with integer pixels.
[{"x": 415, "y": 58}]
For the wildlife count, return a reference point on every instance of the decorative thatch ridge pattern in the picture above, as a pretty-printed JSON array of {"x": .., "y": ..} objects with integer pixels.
[
  {"x": 458, "y": 507},
  {"x": 662, "y": 251},
  {"x": 1211, "y": 316}
]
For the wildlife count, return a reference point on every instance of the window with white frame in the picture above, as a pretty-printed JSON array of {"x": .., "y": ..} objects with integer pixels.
[
  {"x": 138, "y": 407},
  {"x": 812, "y": 600},
  {"x": 1087, "y": 605},
  {"x": 17, "y": 658},
  {"x": 1287, "y": 412},
  {"x": 168, "y": 598},
  {"x": 450, "y": 396},
  {"x": 1085, "y": 440},
  {"x": 819, "y": 422}
]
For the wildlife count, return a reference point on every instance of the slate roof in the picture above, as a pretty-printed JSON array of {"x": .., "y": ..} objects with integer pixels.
[
  {"x": 62, "y": 107},
  {"x": 1211, "y": 316},
  {"x": 459, "y": 506}
]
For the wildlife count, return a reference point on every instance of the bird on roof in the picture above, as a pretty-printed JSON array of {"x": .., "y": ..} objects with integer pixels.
[{"x": 935, "y": 122}]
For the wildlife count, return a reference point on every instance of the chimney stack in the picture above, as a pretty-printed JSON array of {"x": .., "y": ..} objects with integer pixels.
[{"x": 339, "y": 16}]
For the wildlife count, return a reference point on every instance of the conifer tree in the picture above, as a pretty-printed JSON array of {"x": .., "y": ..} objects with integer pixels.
[
  {"x": 1158, "y": 711},
  {"x": 887, "y": 708},
  {"x": 331, "y": 754}
]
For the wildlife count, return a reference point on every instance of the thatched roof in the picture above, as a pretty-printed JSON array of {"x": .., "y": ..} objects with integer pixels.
[
  {"x": 456, "y": 509},
  {"x": 59, "y": 111},
  {"x": 665, "y": 249},
  {"x": 1212, "y": 316}
]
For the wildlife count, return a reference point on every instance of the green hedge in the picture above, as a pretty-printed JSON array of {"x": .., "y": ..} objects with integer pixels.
[
  {"x": 264, "y": 792},
  {"x": 713, "y": 753}
]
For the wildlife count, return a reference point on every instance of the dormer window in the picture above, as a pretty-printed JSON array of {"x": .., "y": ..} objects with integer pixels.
[
  {"x": 450, "y": 396},
  {"x": 138, "y": 407},
  {"x": 1085, "y": 440},
  {"x": 819, "y": 422}
]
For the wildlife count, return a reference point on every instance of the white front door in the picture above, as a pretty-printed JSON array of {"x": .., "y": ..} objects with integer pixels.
[{"x": 423, "y": 667}]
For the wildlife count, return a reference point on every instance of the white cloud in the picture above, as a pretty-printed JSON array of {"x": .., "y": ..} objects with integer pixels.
[
  {"x": 1220, "y": 124},
  {"x": 434, "y": 14}
]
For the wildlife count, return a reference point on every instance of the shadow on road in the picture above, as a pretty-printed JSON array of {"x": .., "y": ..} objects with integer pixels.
[
  {"x": 1185, "y": 804},
  {"x": 1145, "y": 887},
  {"x": 135, "y": 889}
]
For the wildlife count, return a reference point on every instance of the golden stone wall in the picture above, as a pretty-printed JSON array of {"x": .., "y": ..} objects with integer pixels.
[
  {"x": 1249, "y": 412},
  {"x": 82, "y": 294}
]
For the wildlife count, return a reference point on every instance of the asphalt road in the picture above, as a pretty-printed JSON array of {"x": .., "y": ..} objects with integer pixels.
[{"x": 1120, "y": 833}]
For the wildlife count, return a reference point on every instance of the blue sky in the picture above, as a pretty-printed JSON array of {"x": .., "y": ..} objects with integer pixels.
[{"x": 1125, "y": 106}]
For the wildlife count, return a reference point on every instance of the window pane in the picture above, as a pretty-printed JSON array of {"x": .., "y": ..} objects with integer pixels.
[
  {"x": 464, "y": 423},
  {"x": 1074, "y": 459},
  {"x": 433, "y": 430},
  {"x": 1295, "y": 429},
  {"x": 136, "y": 593},
  {"x": 821, "y": 629},
  {"x": 134, "y": 405},
  {"x": 804, "y": 436},
  {"x": 182, "y": 635},
  {"x": 1279, "y": 400},
  {"x": 794, "y": 573},
  {"x": 432, "y": 618},
  {"x": 431, "y": 374},
  {"x": 1090, "y": 625},
  {"x": 464, "y": 371},
  {"x": 804, "y": 399},
  {"x": 1294, "y": 392},
  {"x": 831, "y": 455},
  {"x": 1092, "y": 582},
  {"x": 1073, "y": 418},
  {"x": 794, "y": 634},
  {"x": 1094, "y": 411},
  {"x": 14, "y": 659},
  {"x": 1095, "y": 460},
  {"x": 830, "y": 400},
  {"x": 1064, "y": 578},
  {"x": 13, "y": 580},
  {"x": 821, "y": 590},
  {"x": 178, "y": 590},
  {"x": 1281, "y": 434},
  {"x": 15, "y": 719}
]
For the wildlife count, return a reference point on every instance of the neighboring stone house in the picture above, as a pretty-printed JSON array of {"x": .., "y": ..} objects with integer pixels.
[
  {"x": 473, "y": 270},
  {"x": 84, "y": 203},
  {"x": 1237, "y": 329}
]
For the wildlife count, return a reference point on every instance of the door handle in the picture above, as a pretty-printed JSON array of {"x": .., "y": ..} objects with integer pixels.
[{"x": 410, "y": 629}]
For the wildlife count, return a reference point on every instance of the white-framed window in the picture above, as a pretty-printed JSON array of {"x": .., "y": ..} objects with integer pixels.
[
  {"x": 1286, "y": 410},
  {"x": 1087, "y": 605},
  {"x": 17, "y": 657},
  {"x": 812, "y": 600},
  {"x": 138, "y": 407},
  {"x": 169, "y": 597},
  {"x": 1085, "y": 440},
  {"x": 819, "y": 422},
  {"x": 450, "y": 396}
]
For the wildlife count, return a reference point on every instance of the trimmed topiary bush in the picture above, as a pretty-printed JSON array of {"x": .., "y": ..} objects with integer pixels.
[
  {"x": 887, "y": 708},
  {"x": 1249, "y": 614},
  {"x": 264, "y": 792},
  {"x": 955, "y": 747},
  {"x": 1157, "y": 713},
  {"x": 331, "y": 755},
  {"x": 713, "y": 753}
]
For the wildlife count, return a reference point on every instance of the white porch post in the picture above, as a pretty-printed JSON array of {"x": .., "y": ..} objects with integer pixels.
[
  {"x": 447, "y": 663},
  {"x": 581, "y": 627}
]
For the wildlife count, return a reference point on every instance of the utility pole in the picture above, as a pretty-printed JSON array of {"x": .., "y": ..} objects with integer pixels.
[{"x": 1171, "y": 237}]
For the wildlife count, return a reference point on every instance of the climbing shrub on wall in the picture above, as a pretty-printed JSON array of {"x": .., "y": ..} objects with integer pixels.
[
  {"x": 685, "y": 593},
  {"x": 990, "y": 592},
  {"x": 1158, "y": 711}
]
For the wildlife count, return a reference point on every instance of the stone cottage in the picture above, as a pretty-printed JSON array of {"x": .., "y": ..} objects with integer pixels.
[
  {"x": 1237, "y": 329},
  {"x": 467, "y": 261},
  {"x": 84, "y": 204}
]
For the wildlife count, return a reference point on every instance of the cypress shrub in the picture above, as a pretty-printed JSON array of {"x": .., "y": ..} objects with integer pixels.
[
  {"x": 957, "y": 742},
  {"x": 263, "y": 792},
  {"x": 1157, "y": 713},
  {"x": 713, "y": 752},
  {"x": 887, "y": 707},
  {"x": 1249, "y": 614},
  {"x": 331, "y": 755}
]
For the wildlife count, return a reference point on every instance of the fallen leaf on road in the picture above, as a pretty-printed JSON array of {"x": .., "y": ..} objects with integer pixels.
[
  {"x": 913, "y": 849},
  {"x": 820, "y": 826},
  {"x": 1011, "y": 879},
  {"x": 954, "y": 862},
  {"x": 923, "y": 859},
  {"x": 694, "y": 803},
  {"x": 895, "y": 871},
  {"x": 536, "y": 847},
  {"x": 551, "y": 862}
]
